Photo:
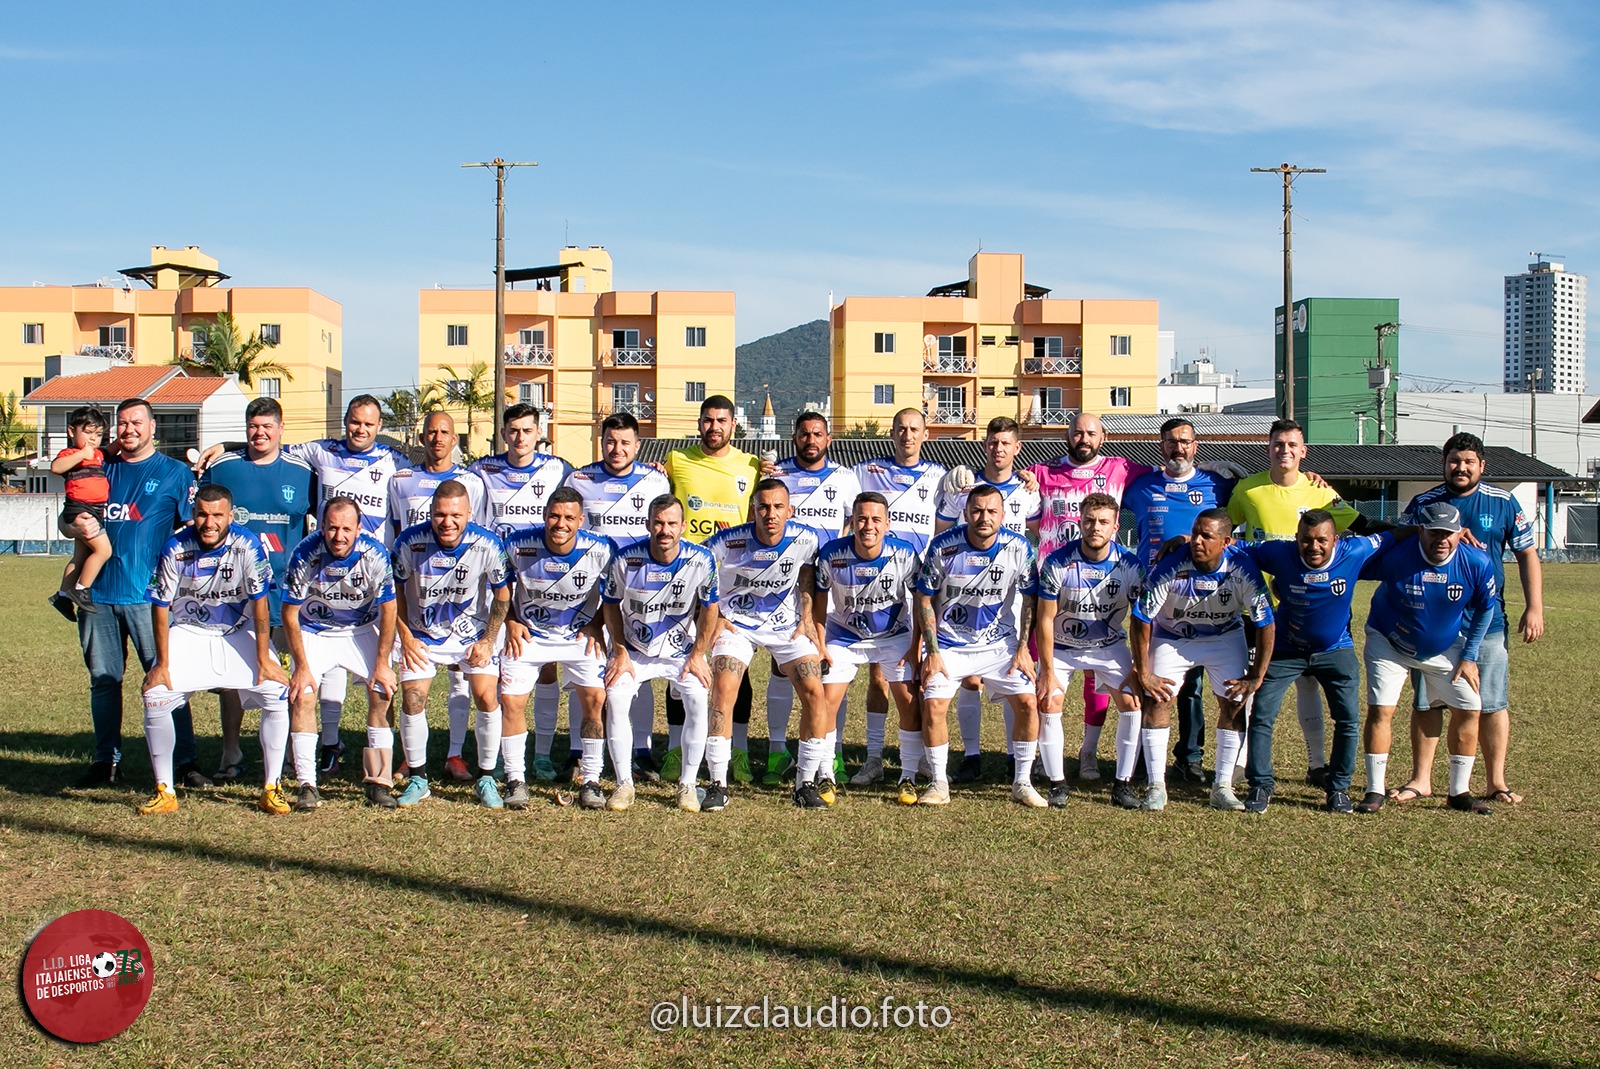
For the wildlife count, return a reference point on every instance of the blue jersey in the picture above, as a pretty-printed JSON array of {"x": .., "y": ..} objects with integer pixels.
[
  {"x": 338, "y": 595},
  {"x": 362, "y": 477},
  {"x": 659, "y": 602},
  {"x": 867, "y": 599},
  {"x": 616, "y": 505},
  {"x": 1090, "y": 598},
  {"x": 1164, "y": 507},
  {"x": 822, "y": 498},
  {"x": 211, "y": 589},
  {"x": 1021, "y": 505},
  {"x": 912, "y": 493},
  {"x": 149, "y": 499},
  {"x": 756, "y": 583},
  {"x": 514, "y": 496},
  {"x": 411, "y": 495},
  {"x": 273, "y": 500},
  {"x": 558, "y": 594},
  {"x": 975, "y": 591},
  {"x": 1180, "y": 600},
  {"x": 1422, "y": 607},
  {"x": 1314, "y": 603},
  {"x": 1496, "y": 519},
  {"x": 449, "y": 591}
]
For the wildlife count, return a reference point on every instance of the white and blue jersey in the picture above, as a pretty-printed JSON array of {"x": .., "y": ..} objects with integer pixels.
[
  {"x": 1180, "y": 600},
  {"x": 338, "y": 595},
  {"x": 211, "y": 589},
  {"x": 1021, "y": 506},
  {"x": 617, "y": 505},
  {"x": 1165, "y": 506},
  {"x": 871, "y": 599},
  {"x": 659, "y": 602},
  {"x": 1496, "y": 519},
  {"x": 822, "y": 497},
  {"x": 272, "y": 499},
  {"x": 558, "y": 594},
  {"x": 756, "y": 583},
  {"x": 362, "y": 477},
  {"x": 975, "y": 591},
  {"x": 449, "y": 591},
  {"x": 1422, "y": 608},
  {"x": 912, "y": 493},
  {"x": 148, "y": 500},
  {"x": 1314, "y": 603},
  {"x": 1090, "y": 599},
  {"x": 411, "y": 495},
  {"x": 514, "y": 497}
]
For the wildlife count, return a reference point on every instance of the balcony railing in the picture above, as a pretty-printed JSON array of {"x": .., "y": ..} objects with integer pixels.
[
  {"x": 949, "y": 364},
  {"x": 1052, "y": 365},
  {"x": 643, "y": 411},
  {"x": 1049, "y": 417},
  {"x": 951, "y": 415},
  {"x": 117, "y": 354},
  {"x": 628, "y": 358},
  {"x": 530, "y": 355}
]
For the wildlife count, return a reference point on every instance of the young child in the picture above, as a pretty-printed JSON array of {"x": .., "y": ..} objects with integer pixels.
[{"x": 81, "y": 466}]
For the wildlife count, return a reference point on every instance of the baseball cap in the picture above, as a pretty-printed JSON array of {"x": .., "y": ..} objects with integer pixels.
[{"x": 1439, "y": 516}]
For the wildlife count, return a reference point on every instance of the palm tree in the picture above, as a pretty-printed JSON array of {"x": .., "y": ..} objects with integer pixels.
[
  {"x": 13, "y": 432},
  {"x": 471, "y": 388},
  {"x": 404, "y": 409},
  {"x": 219, "y": 350}
]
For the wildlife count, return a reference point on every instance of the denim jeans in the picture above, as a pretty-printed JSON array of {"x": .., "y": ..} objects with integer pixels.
[
  {"x": 1191, "y": 705},
  {"x": 104, "y": 636},
  {"x": 1339, "y": 672}
]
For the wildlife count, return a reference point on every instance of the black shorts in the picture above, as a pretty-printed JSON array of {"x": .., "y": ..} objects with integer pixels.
[{"x": 94, "y": 526}]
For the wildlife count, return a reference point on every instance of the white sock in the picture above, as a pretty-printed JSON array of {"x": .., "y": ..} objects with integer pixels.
[
  {"x": 695, "y": 718},
  {"x": 1010, "y": 719},
  {"x": 161, "y": 739},
  {"x": 620, "y": 709},
  {"x": 910, "y": 753},
  {"x": 514, "y": 751},
  {"x": 1155, "y": 741},
  {"x": 546, "y": 710},
  {"x": 380, "y": 738},
  {"x": 969, "y": 718},
  {"x": 1228, "y": 745},
  {"x": 674, "y": 736},
  {"x": 877, "y": 727},
  {"x": 459, "y": 703},
  {"x": 1091, "y": 739},
  {"x": 331, "y": 712},
  {"x": 834, "y": 746},
  {"x": 810, "y": 761},
  {"x": 741, "y": 737},
  {"x": 574, "y": 725},
  {"x": 594, "y": 759},
  {"x": 938, "y": 761},
  {"x": 1461, "y": 774},
  {"x": 1308, "y": 708},
  {"x": 1377, "y": 770},
  {"x": 488, "y": 735},
  {"x": 414, "y": 735},
  {"x": 303, "y": 744},
  {"x": 780, "y": 706},
  {"x": 719, "y": 751},
  {"x": 1052, "y": 747},
  {"x": 1128, "y": 743},
  {"x": 274, "y": 739},
  {"x": 1023, "y": 750},
  {"x": 643, "y": 717}
]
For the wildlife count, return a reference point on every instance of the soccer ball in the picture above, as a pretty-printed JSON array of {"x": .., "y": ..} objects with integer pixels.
[{"x": 104, "y": 965}]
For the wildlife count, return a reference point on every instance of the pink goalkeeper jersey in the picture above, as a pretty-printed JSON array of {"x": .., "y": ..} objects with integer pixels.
[{"x": 1063, "y": 486}]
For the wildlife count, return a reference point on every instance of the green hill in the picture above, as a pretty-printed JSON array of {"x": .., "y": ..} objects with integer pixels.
[{"x": 792, "y": 364}]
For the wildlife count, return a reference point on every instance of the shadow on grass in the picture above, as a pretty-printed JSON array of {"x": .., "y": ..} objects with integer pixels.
[{"x": 1160, "y": 1011}]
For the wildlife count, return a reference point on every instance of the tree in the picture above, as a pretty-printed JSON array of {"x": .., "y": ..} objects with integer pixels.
[
  {"x": 219, "y": 350},
  {"x": 869, "y": 429},
  {"x": 472, "y": 389},
  {"x": 402, "y": 409},
  {"x": 13, "y": 432}
]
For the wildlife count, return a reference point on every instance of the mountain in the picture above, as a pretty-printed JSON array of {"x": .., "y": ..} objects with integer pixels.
[{"x": 793, "y": 364}]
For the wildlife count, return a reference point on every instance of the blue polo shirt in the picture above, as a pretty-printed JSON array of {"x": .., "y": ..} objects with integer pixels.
[
  {"x": 272, "y": 500},
  {"x": 1496, "y": 519},
  {"x": 1422, "y": 607},
  {"x": 149, "y": 499},
  {"x": 1165, "y": 507},
  {"x": 1314, "y": 603}
]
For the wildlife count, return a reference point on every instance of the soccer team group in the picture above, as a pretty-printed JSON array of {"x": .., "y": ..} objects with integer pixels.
[{"x": 520, "y": 575}]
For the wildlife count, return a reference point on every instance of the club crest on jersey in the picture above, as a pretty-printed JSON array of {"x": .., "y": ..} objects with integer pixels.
[
  {"x": 677, "y": 588},
  {"x": 1015, "y": 506},
  {"x": 742, "y": 483},
  {"x": 226, "y": 571},
  {"x": 375, "y": 475},
  {"x": 1112, "y": 587},
  {"x": 1195, "y": 497},
  {"x": 461, "y": 573},
  {"x": 1224, "y": 595},
  {"x": 1455, "y": 591},
  {"x": 886, "y": 581},
  {"x": 288, "y": 493},
  {"x": 830, "y": 493},
  {"x": 580, "y": 580},
  {"x": 957, "y": 615},
  {"x": 637, "y": 501},
  {"x": 996, "y": 574},
  {"x": 151, "y": 485},
  {"x": 1485, "y": 519},
  {"x": 538, "y": 489},
  {"x": 1099, "y": 482},
  {"x": 922, "y": 493},
  {"x": 1338, "y": 586},
  {"x": 786, "y": 565}
]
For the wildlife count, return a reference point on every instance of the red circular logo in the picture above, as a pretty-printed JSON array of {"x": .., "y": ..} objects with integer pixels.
[{"x": 86, "y": 976}]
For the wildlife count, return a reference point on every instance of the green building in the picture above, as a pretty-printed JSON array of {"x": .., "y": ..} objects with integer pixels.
[{"x": 1336, "y": 342}]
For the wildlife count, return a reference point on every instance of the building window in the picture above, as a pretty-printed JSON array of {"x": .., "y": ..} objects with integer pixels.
[
  {"x": 31, "y": 383},
  {"x": 883, "y": 342},
  {"x": 1011, "y": 391},
  {"x": 1121, "y": 397},
  {"x": 271, "y": 333},
  {"x": 530, "y": 393},
  {"x": 624, "y": 339},
  {"x": 952, "y": 346},
  {"x": 271, "y": 387},
  {"x": 531, "y": 337},
  {"x": 113, "y": 335},
  {"x": 694, "y": 337},
  {"x": 1046, "y": 348},
  {"x": 33, "y": 334},
  {"x": 987, "y": 339},
  {"x": 1121, "y": 344},
  {"x": 883, "y": 395},
  {"x": 986, "y": 391},
  {"x": 455, "y": 334},
  {"x": 694, "y": 391}
]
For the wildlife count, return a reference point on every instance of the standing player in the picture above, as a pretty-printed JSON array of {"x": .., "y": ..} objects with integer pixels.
[
  {"x": 208, "y": 600},
  {"x": 339, "y": 613},
  {"x": 1494, "y": 518},
  {"x": 453, "y": 583},
  {"x": 765, "y": 581},
  {"x": 660, "y": 606},
  {"x": 1085, "y": 590},
  {"x": 865, "y": 586},
  {"x": 971, "y": 577},
  {"x": 1191, "y": 613},
  {"x": 555, "y": 620}
]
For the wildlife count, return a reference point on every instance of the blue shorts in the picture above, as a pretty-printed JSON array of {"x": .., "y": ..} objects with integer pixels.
[{"x": 1494, "y": 676}]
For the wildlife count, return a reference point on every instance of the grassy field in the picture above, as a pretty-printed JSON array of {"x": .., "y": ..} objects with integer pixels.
[{"x": 455, "y": 936}]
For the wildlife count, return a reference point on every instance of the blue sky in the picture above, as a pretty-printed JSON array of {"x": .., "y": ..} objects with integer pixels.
[{"x": 785, "y": 152}]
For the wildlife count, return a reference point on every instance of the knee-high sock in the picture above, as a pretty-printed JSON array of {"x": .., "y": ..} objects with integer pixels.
[
  {"x": 459, "y": 702},
  {"x": 1023, "y": 750},
  {"x": 1095, "y": 705},
  {"x": 969, "y": 718},
  {"x": 514, "y": 751},
  {"x": 377, "y": 762},
  {"x": 938, "y": 758},
  {"x": 414, "y": 734},
  {"x": 812, "y": 755},
  {"x": 1229, "y": 743},
  {"x": 274, "y": 739},
  {"x": 695, "y": 722},
  {"x": 303, "y": 745},
  {"x": 1308, "y": 709},
  {"x": 620, "y": 706},
  {"x": 741, "y": 736},
  {"x": 574, "y": 725},
  {"x": 675, "y": 737},
  {"x": 877, "y": 726},
  {"x": 1377, "y": 772},
  {"x": 161, "y": 738},
  {"x": 1128, "y": 743},
  {"x": 910, "y": 753},
  {"x": 719, "y": 751},
  {"x": 593, "y": 760},
  {"x": 642, "y": 717},
  {"x": 1461, "y": 773},
  {"x": 330, "y": 702},
  {"x": 780, "y": 706},
  {"x": 1052, "y": 747},
  {"x": 546, "y": 710},
  {"x": 1010, "y": 719},
  {"x": 1155, "y": 742},
  {"x": 488, "y": 737}
]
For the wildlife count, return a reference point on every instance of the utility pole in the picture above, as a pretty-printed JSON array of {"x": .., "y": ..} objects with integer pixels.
[
  {"x": 499, "y": 166},
  {"x": 1378, "y": 378},
  {"x": 1289, "y": 173},
  {"x": 1534, "y": 377}
]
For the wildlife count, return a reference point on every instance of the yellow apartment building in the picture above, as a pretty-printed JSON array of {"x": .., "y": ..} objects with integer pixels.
[
  {"x": 146, "y": 317},
  {"x": 578, "y": 349},
  {"x": 991, "y": 345}
]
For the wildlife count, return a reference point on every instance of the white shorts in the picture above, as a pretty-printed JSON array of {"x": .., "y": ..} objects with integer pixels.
[
  {"x": 886, "y": 653},
  {"x": 646, "y": 668},
  {"x": 579, "y": 668},
  {"x": 1388, "y": 669},
  {"x": 354, "y": 651},
  {"x": 207, "y": 660},
  {"x": 741, "y": 645},
  {"x": 1224, "y": 657},
  {"x": 450, "y": 653},
  {"x": 1112, "y": 665},
  {"x": 992, "y": 664}
]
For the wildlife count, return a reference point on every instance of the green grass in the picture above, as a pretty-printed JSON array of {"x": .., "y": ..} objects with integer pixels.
[{"x": 455, "y": 936}]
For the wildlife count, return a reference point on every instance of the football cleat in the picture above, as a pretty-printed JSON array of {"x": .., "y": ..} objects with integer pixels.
[
  {"x": 329, "y": 759},
  {"x": 716, "y": 798},
  {"x": 970, "y": 770},
  {"x": 688, "y": 798},
  {"x": 1024, "y": 794},
  {"x": 99, "y": 774},
  {"x": 937, "y": 793},
  {"x": 416, "y": 790},
  {"x": 306, "y": 798},
  {"x": 739, "y": 767},
  {"x": 838, "y": 767},
  {"x": 806, "y": 797},
  {"x": 163, "y": 801},
  {"x": 380, "y": 796},
  {"x": 645, "y": 767},
  {"x": 544, "y": 769},
  {"x": 1059, "y": 793},
  {"x": 1222, "y": 797},
  {"x": 827, "y": 792},
  {"x": 621, "y": 798},
  {"x": 672, "y": 765},
  {"x": 870, "y": 772},
  {"x": 1155, "y": 798},
  {"x": 779, "y": 765},
  {"x": 590, "y": 796},
  {"x": 487, "y": 791},
  {"x": 1317, "y": 777},
  {"x": 1088, "y": 766},
  {"x": 1123, "y": 795},
  {"x": 272, "y": 800},
  {"x": 908, "y": 792},
  {"x": 516, "y": 794}
]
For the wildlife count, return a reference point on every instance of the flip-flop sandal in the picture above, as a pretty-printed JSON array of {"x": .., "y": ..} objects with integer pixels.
[
  {"x": 1503, "y": 797},
  {"x": 1403, "y": 795}
]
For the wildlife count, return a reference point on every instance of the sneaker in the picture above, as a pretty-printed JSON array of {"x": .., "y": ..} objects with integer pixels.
[
  {"x": 1258, "y": 799},
  {"x": 716, "y": 798},
  {"x": 621, "y": 798},
  {"x": 1370, "y": 802},
  {"x": 779, "y": 765},
  {"x": 908, "y": 792},
  {"x": 99, "y": 774},
  {"x": 590, "y": 796},
  {"x": 516, "y": 794},
  {"x": 544, "y": 769},
  {"x": 970, "y": 770},
  {"x": 84, "y": 601},
  {"x": 329, "y": 759},
  {"x": 1222, "y": 797},
  {"x": 937, "y": 793},
  {"x": 1123, "y": 795},
  {"x": 739, "y": 768},
  {"x": 688, "y": 798},
  {"x": 1187, "y": 775},
  {"x": 1059, "y": 792},
  {"x": 672, "y": 765},
  {"x": 380, "y": 796},
  {"x": 1317, "y": 777},
  {"x": 1024, "y": 794},
  {"x": 1155, "y": 798},
  {"x": 1088, "y": 766},
  {"x": 191, "y": 777},
  {"x": 231, "y": 773},
  {"x": 645, "y": 767},
  {"x": 306, "y": 798},
  {"x": 487, "y": 791},
  {"x": 827, "y": 792},
  {"x": 806, "y": 796},
  {"x": 272, "y": 800},
  {"x": 870, "y": 772},
  {"x": 1339, "y": 802},
  {"x": 416, "y": 790},
  {"x": 64, "y": 605},
  {"x": 1467, "y": 802},
  {"x": 163, "y": 801}
]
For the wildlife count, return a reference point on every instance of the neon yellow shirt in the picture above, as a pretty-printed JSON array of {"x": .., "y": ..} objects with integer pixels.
[
  {"x": 715, "y": 491},
  {"x": 1268, "y": 510}
]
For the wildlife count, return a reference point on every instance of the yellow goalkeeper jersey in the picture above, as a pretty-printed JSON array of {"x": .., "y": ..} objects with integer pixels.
[
  {"x": 1268, "y": 510},
  {"x": 715, "y": 491}
]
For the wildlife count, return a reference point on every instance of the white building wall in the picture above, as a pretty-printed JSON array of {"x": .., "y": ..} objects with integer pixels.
[{"x": 1504, "y": 419}]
